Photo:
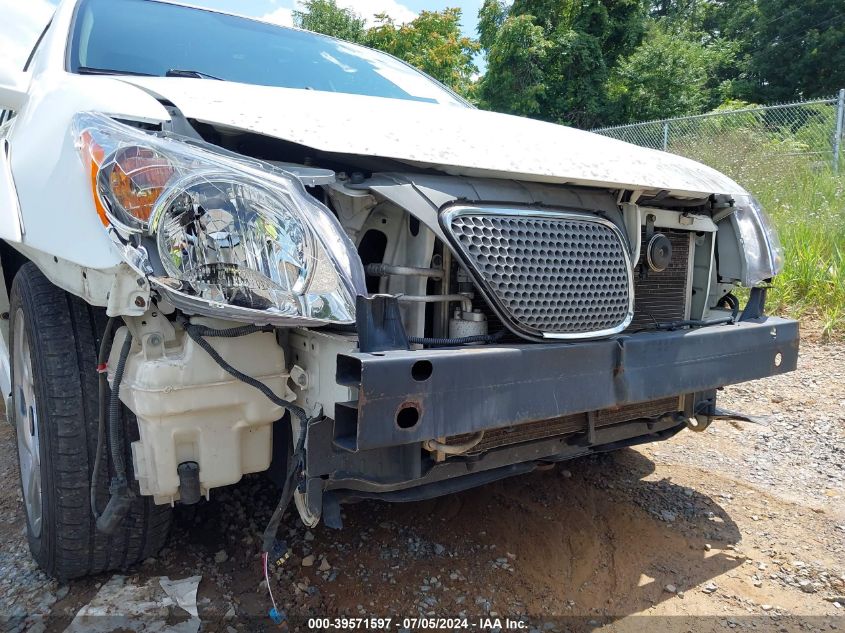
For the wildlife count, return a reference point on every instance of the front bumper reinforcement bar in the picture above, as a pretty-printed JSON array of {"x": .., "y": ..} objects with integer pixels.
[{"x": 406, "y": 397}]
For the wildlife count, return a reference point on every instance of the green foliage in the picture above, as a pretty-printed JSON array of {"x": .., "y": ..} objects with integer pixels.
[
  {"x": 807, "y": 210},
  {"x": 324, "y": 16},
  {"x": 768, "y": 153},
  {"x": 550, "y": 58},
  {"x": 668, "y": 75},
  {"x": 577, "y": 72},
  {"x": 514, "y": 82},
  {"x": 589, "y": 63},
  {"x": 433, "y": 43},
  {"x": 797, "y": 49},
  {"x": 491, "y": 18},
  {"x": 784, "y": 49}
]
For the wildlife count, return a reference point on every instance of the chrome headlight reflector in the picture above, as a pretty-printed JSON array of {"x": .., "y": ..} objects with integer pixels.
[
  {"x": 759, "y": 245},
  {"x": 233, "y": 235}
]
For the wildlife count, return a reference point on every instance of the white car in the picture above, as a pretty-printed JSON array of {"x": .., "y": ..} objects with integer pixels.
[{"x": 230, "y": 247}]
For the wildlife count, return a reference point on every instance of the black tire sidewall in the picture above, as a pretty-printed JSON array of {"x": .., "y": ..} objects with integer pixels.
[
  {"x": 64, "y": 338},
  {"x": 43, "y": 544}
]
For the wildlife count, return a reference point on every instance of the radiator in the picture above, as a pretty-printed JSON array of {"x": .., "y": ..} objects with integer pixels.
[
  {"x": 568, "y": 424},
  {"x": 662, "y": 297}
]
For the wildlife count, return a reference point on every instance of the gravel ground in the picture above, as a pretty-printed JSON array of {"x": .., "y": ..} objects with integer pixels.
[{"x": 742, "y": 526}]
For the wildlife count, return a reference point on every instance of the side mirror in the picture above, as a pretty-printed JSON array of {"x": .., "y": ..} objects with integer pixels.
[{"x": 14, "y": 86}]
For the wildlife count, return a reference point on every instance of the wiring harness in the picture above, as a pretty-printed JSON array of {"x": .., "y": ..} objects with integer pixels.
[
  {"x": 270, "y": 547},
  {"x": 198, "y": 334},
  {"x": 449, "y": 342},
  {"x": 121, "y": 497}
]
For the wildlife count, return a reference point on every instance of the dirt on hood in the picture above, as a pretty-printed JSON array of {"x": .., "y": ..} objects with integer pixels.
[{"x": 456, "y": 140}]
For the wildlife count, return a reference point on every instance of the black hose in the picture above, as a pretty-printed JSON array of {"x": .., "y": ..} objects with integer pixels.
[
  {"x": 732, "y": 302},
  {"x": 121, "y": 496},
  {"x": 102, "y": 379},
  {"x": 447, "y": 342},
  {"x": 244, "y": 330},
  {"x": 115, "y": 423},
  {"x": 295, "y": 467},
  {"x": 197, "y": 333}
]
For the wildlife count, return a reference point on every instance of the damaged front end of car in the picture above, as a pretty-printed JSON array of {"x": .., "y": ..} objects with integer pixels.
[{"x": 425, "y": 333}]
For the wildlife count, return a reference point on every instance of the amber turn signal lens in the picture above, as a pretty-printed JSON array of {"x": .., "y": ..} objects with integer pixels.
[
  {"x": 94, "y": 155},
  {"x": 137, "y": 176}
]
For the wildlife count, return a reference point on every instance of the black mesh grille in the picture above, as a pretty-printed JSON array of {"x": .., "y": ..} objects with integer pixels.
[
  {"x": 662, "y": 297},
  {"x": 552, "y": 275}
]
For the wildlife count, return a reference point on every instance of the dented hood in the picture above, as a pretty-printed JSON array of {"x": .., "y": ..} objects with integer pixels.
[{"x": 452, "y": 139}]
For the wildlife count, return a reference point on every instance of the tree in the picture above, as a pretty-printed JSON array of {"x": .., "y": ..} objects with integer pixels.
[
  {"x": 550, "y": 58},
  {"x": 491, "y": 18},
  {"x": 798, "y": 49},
  {"x": 324, "y": 16},
  {"x": 433, "y": 43},
  {"x": 726, "y": 25},
  {"x": 514, "y": 82},
  {"x": 783, "y": 49},
  {"x": 668, "y": 75}
]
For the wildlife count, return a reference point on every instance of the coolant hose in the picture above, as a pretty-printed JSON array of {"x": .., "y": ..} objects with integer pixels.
[{"x": 455, "y": 449}]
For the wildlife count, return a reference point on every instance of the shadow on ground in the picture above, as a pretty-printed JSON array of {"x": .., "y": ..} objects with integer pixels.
[{"x": 595, "y": 537}]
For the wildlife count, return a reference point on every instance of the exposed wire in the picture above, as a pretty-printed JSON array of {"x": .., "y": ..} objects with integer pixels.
[
  {"x": 197, "y": 334},
  {"x": 103, "y": 385},
  {"x": 295, "y": 468},
  {"x": 297, "y": 460},
  {"x": 264, "y": 557},
  {"x": 115, "y": 427},
  {"x": 121, "y": 495}
]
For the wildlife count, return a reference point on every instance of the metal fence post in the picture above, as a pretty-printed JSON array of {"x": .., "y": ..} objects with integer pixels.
[
  {"x": 837, "y": 139},
  {"x": 666, "y": 131}
]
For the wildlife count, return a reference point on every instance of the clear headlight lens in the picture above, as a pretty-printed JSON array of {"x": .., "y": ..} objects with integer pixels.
[
  {"x": 232, "y": 235},
  {"x": 759, "y": 243},
  {"x": 235, "y": 242}
]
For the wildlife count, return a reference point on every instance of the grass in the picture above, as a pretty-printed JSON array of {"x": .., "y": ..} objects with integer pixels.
[
  {"x": 806, "y": 201},
  {"x": 809, "y": 211}
]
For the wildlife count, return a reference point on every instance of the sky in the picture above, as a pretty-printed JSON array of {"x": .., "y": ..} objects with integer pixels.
[{"x": 23, "y": 20}]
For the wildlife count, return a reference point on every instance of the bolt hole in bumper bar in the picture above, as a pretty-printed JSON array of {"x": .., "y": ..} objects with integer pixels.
[{"x": 471, "y": 389}]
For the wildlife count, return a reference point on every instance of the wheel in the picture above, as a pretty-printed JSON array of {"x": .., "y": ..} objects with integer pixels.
[{"x": 54, "y": 343}]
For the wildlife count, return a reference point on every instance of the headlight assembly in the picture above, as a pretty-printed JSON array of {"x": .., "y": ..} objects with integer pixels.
[
  {"x": 760, "y": 250},
  {"x": 234, "y": 237}
]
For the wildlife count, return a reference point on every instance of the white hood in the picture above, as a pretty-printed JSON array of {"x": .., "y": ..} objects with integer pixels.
[{"x": 455, "y": 140}]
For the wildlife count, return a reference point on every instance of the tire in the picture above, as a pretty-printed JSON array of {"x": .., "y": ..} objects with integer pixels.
[{"x": 57, "y": 335}]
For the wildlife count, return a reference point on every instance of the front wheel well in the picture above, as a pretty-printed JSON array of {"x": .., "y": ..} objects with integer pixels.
[{"x": 11, "y": 261}]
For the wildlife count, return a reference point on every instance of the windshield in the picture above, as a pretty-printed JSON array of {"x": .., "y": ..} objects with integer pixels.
[{"x": 152, "y": 38}]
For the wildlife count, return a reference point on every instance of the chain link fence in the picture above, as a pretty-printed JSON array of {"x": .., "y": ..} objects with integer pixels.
[
  {"x": 792, "y": 157},
  {"x": 745, "y": 142}
]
